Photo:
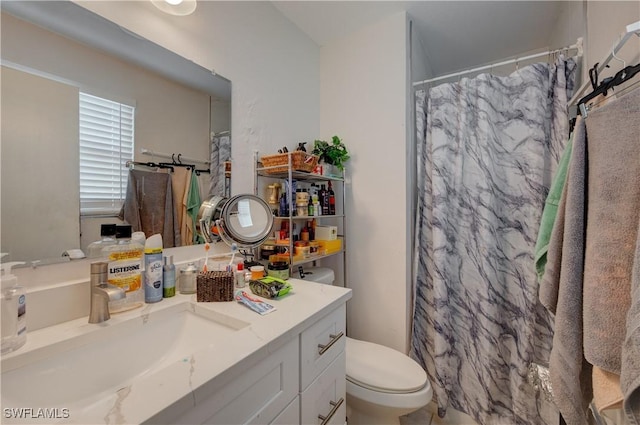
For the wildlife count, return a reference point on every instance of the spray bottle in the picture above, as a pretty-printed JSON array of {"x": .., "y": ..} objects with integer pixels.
[
  {"x": 153, "y": 269},
  {"x": 14, "y": 310}
]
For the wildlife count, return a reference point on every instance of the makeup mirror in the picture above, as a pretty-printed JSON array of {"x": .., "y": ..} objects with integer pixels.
[{"x": 244, "y": 221}]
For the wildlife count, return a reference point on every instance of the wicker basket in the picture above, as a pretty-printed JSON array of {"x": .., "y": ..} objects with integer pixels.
[
  {"x": 214, "y": 286},
  {"x": 300, "y": 161}
]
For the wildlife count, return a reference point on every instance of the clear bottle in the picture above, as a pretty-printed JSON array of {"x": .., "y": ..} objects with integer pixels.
[
  {"x": 14, "y": 311},
  {"x": 168, "y": 277},
  {"x": 125, "y": 269},
  {"x": 108, "y": 238}
]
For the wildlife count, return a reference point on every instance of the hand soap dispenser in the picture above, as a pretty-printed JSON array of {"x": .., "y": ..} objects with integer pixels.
[{"x": 14, "y": 310}]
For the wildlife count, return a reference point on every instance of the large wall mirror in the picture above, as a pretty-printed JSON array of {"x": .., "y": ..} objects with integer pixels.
[{"x": 53, "y": 51}]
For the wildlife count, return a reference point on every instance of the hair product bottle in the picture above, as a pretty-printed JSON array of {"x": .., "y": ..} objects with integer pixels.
[{"x": 168, "y": 277}]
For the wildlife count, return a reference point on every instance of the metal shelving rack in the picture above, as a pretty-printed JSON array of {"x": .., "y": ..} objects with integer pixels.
[{"x": 340, "y": 219}]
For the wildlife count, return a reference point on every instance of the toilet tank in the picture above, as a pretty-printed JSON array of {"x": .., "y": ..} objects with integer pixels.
[{"x": 317, "y": 274}]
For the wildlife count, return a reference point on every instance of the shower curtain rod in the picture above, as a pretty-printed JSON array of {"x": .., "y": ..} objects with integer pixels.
[
  {"x": 173, "y": 156},
  {"x": 631, "y": 29},
  {"x": 577, "y": 46}
]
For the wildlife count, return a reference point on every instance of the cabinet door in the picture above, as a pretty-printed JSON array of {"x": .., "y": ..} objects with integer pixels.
[
  {"x": 320, "y": 344},
  {"x": 256, "y": 396},
  {"x": 324, "y": 401}
]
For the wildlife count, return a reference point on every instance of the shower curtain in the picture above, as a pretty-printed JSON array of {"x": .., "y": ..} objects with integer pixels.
[
  {"x": 220, "y": 152},
  {"x": 487, "y": 149}
]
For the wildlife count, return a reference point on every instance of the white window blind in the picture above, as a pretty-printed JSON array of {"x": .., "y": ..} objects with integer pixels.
[{"x": 106, "y": 144}]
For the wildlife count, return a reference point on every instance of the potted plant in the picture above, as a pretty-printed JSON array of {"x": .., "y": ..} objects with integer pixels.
[{"x": 332, "y": 153}]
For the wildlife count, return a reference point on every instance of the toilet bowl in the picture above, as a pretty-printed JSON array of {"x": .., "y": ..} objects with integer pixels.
[{"x": 382, "y": 383}]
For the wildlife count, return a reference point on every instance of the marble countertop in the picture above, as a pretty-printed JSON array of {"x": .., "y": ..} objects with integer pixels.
[{"x": 180, "y": 383}]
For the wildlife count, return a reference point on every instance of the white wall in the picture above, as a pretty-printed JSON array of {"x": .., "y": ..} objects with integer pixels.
[
  {"x": 606, "y": 20},
  {"x": 273, "y": 67},
  {"x": 364, "y": 100}
]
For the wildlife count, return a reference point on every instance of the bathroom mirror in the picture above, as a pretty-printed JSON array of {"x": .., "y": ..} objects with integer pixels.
[
  {"x": 243, "y": 220},
  {"x": 56, "y": 49}
]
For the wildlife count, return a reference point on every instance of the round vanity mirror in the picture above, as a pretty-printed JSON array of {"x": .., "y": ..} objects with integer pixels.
[{"x": 244, "y": 220}]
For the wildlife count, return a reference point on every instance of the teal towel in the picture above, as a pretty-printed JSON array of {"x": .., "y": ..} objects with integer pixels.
[{"x": 550, "y": 211}]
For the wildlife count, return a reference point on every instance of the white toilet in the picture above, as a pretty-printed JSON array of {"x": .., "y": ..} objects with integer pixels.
[{"x": 382, "y": 383}]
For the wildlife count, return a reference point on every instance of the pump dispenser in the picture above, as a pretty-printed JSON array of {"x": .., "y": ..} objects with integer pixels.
[{"x": 14, "y": 310}]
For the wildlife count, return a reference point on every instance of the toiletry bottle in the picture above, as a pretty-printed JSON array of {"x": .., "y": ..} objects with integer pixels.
[
  {"x": 14, "y": 310},
  {"x": 332, "y": 200},
  {"x": 325, "y": 201},
  {"x": 125, "y": 269},
  {"x": 108, "y": 237},
  {"x": 321, "y": 195},
  {"x": 168, "y": 277},
  {"x": 310, "y": 207},
  {"x": 153, "y": 269},
  {"x": 240, "y": 283},
  {"x": 247, "y": 275}
]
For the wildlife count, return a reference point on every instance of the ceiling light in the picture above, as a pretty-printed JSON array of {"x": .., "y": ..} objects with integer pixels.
[{"x": 176, "y": 7}]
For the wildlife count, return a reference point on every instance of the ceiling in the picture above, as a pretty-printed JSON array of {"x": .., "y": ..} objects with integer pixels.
[{"x": 454, "y": 35}]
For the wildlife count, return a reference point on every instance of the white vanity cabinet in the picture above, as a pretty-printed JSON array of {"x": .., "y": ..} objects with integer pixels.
[
  {"x": 300, "y": 382},
  {"x": 323, "y": 370}
]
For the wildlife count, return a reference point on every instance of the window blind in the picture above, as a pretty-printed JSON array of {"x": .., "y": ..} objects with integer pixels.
[{"x": 106, "y": 144}]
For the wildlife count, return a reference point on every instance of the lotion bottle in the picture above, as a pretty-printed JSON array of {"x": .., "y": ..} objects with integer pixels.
[{"x": 14, "y": 310}]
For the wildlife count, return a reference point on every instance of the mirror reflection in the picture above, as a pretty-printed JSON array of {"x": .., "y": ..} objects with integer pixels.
[{"x": 64, "y": 100}]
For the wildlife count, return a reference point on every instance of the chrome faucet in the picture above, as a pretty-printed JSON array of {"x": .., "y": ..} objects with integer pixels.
[{"x": 101, "y": 293}]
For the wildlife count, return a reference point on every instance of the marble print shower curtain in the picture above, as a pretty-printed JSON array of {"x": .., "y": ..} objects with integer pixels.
[
  {"x": 220, "y": 152},
  {"x": 487, "y": 149}
]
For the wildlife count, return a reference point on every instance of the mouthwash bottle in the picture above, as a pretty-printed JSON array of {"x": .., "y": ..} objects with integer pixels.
[{"x": 125, "y": 269}]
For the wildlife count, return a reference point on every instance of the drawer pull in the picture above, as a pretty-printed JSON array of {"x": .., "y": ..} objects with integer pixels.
[
  {"x": 323, "y": 348},
  {"x": 336, "y": 405}
]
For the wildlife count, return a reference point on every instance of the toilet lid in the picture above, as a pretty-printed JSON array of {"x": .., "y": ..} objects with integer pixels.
[{"x": 382, "y": 369}]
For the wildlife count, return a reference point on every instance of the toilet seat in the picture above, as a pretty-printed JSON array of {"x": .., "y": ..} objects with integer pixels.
[{"x": 382, "y": 369}]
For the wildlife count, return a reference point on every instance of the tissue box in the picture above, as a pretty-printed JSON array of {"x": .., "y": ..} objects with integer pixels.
[{"x": 326, "y": 233}]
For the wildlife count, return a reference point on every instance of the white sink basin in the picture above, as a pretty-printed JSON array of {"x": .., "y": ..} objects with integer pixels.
[{"x": 104, "y": 358}]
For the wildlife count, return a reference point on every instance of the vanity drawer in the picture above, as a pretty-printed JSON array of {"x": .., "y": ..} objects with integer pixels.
[
  {"x": 324, "y": 402},
  {"x": 320, "y": 344},
  {"x": 290, "y": 415}
]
